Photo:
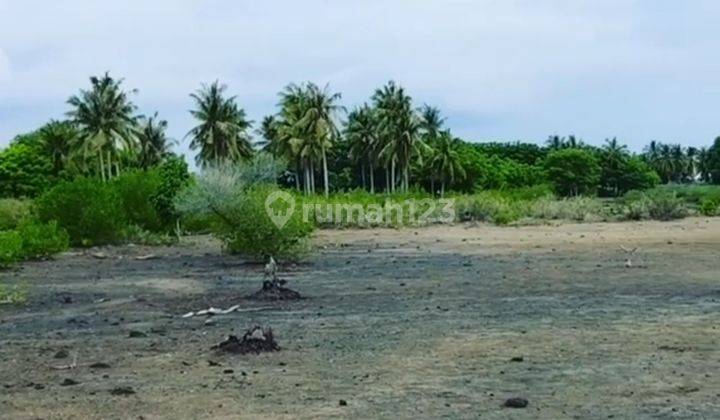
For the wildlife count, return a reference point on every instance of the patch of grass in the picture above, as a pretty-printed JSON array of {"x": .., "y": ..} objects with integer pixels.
[
  {"x": 137, "y": 235},
  {"x": 10, "y": 248},
  {"x": 13, "y": 295}
]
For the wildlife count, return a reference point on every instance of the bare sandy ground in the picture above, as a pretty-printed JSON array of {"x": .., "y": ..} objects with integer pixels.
[{"x": 435, "y": 322}]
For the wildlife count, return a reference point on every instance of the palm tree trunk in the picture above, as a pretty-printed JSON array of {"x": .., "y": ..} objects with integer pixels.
[
  {"x": 442, "y": 188},
  {"x": 362, "y": 176},
  {"x": 392, "y": 174},
  {"x": 109, "y": 165},
  {"x": 297, "y": 175},
  {"x": 312, "y": 177},
  {"x": 432, "y": 186},
  {"x": 406, "y": 178},
  {"x": 102, "y": 166},
  {"x": 306, "y": 177},
  {"x": 387, "y": 180},
  {"x": 326, "y": 181},
  {"x": 372, "y": 179}
]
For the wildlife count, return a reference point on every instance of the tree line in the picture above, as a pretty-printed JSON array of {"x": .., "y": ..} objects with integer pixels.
[{"x": 386, "y": 144}]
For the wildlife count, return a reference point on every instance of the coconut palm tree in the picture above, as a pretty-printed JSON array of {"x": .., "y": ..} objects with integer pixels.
[
  {"x": 431, "y": 123},
  {"x": 400, "y": 130},
  {"x": 446, "y": 163},
  {"x": 361, "y": 133},
  {"x": 321, "y": 106},
  {"x": 58, "y": 141},
  {"x": 153, "y": 143},
  {"x": 307, "y": 125},
  {"x": 222, "y": 135},
  {"x": 105, "y": 118},
  {"x": 703, "y": 164}
]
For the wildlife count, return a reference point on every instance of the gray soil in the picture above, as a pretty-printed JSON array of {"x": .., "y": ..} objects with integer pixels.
[{"x": 438, "y": 322}]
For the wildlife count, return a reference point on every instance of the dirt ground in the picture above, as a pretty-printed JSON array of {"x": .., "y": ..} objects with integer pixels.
[{"x": 438, "y": 322}]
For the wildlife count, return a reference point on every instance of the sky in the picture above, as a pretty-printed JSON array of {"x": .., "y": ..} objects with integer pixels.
[{"x": 504, "y": 70}]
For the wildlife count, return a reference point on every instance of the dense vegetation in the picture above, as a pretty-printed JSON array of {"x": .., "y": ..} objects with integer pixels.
[{"x": 107, "y": 174}]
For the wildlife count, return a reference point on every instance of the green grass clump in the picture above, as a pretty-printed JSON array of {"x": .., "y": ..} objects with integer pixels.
[
  {"x": 11, "y": 246},
  {"x": 13, "y": 295}
]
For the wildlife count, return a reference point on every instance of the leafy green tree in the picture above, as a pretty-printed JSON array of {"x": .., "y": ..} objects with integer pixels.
[
  {"x": 222, "y": 132},
  {"x": 105, "y": 118},
  {"x": 573, "y": 171},
  {"x": 25, "y": 171}
]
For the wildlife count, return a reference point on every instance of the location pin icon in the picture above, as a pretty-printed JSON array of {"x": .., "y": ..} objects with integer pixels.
[{"x": 280, "y": 218}]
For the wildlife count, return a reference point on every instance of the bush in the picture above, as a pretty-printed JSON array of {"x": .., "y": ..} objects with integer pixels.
[
  {"x": 42, "y": 240},
  {"x": 12, "y": 212},
  {"x": 173, "y": 177},
  {"x": 10, "y": 247},
  {"x": 654, "y": 204},
  {"x": 579, "y": 209},
  {"x": 136, "y": 190},
  {"x": 709, "y": 207},
  {"x": 235, "y": 208},
  {"x": 255, "y": 234},
  {"x": 91, "y": 211}
]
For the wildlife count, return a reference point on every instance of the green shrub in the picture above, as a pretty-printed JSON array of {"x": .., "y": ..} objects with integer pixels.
[
  {"x": 12, "y": 212},
  {"x": 579, "y": 209},
  {"x": 173, "y": 177},
  {"x": 136, "y": 190},
  {"x": 253, "y": 233},
  {"x": 91, "y": 211},
  {"x": 235, "y": 208},
  {"x": 40, "y": 240},
  {"x": 709, "y": 207},
  {"x": 10, "y": 247},
  {"x": 655, "y": 204}
]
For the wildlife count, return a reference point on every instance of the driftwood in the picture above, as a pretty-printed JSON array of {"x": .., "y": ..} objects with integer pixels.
[{"x": 215, "y": 311}]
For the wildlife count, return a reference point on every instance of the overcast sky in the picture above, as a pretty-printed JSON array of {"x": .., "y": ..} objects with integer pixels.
[{"x": 499, "y": 70}]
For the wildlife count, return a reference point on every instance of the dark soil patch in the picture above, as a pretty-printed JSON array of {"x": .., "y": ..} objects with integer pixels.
[
  {"x": 516, "y": 402},
  {"x": 275, "y": 290},
  {"x": 256, "y": 340}
]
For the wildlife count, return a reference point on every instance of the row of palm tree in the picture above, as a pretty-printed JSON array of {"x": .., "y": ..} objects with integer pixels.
[
  {"x": 388, "y": 135},
  {"x": 385, "y": 136},
  {"x": 675, "y": 163},
  {"x": 103, "y": 131}
]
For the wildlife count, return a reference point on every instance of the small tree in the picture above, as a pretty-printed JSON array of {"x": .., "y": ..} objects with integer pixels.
[{"x": 573, "y": 171}]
